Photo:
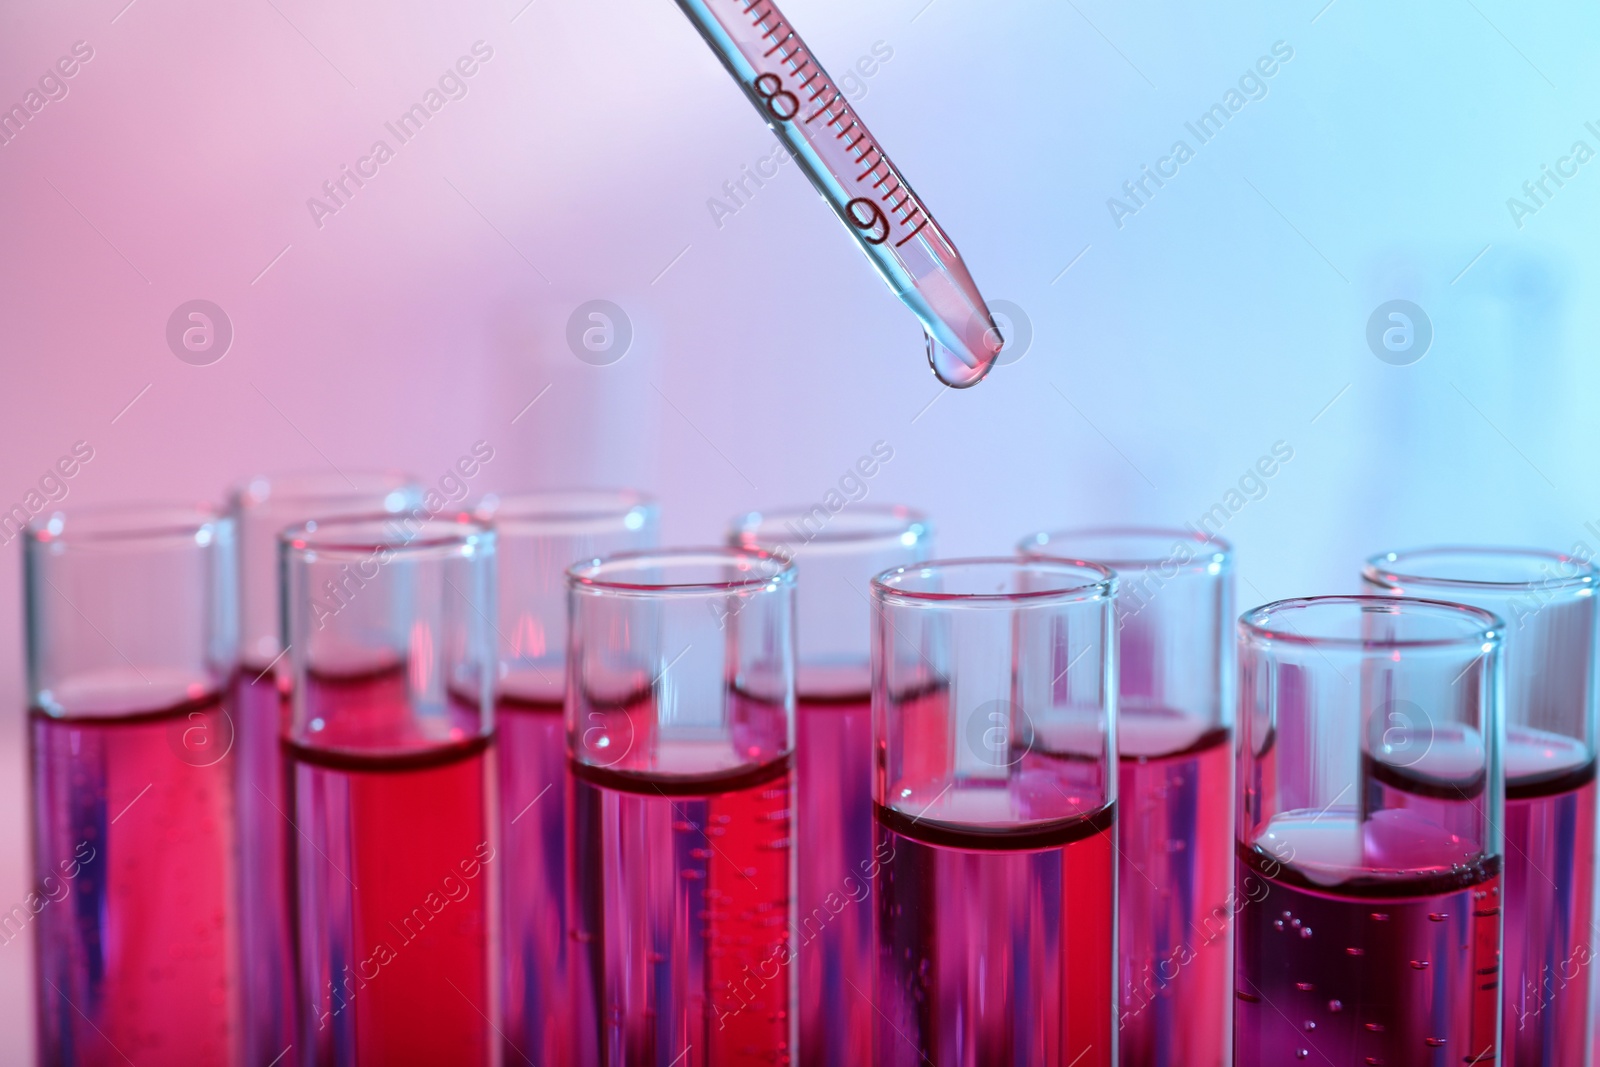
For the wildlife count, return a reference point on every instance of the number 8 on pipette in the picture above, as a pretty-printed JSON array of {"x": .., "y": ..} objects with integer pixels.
[{"x": 805, "y": 108}]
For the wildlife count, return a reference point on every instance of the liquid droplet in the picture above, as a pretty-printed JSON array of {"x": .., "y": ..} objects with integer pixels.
[
  {"x": 1336, "y": 1006},
  {"x": 953, "y": 370}
]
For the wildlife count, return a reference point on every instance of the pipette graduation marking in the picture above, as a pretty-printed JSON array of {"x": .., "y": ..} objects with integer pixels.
[{"x": 805, "y": 108}]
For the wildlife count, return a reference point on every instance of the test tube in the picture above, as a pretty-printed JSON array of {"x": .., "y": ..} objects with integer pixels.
[
  {"x": 680, "y": 701},
  {"x": 389, "y": 626},
  {"x": 994, "y": 721},
  {"x": 539, "y": 535},
  {"x": 1547, "y": 600},
  {"x": 130, "y": 645},
  {"x": 1368, "y": 887},
  {"x": 1175, "y": 615},
  {"x": 835, "y": 560},
  {"x": 261, "y": 507}
]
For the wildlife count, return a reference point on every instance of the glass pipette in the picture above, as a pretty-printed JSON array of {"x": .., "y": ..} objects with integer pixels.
[{"x": 848, "y": 166}]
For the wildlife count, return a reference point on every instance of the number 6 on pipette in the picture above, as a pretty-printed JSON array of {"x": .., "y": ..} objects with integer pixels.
[{"x": 805, "y": 108}]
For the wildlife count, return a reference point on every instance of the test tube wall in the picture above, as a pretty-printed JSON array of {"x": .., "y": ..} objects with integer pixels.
[
  {"x": 261, "y": 507},
  {"x": 680, "y": 710},
  {"x": 1547, "y": 600},
  {"x": 836, "y": 557},
  {"x": 994, "y": 719},
  {"x": 130, "y": 619},
  {"x": 1369, "y": 874},
  {"x": 538, "y": 536},
  {"x": 1175, "y": 619},
  {"x": 390, "y": 637}
]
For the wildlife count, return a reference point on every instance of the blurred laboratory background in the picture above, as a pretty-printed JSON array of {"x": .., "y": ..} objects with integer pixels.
[{"x": 1313, "y": 275}]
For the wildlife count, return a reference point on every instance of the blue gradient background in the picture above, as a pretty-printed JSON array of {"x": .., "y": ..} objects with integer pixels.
[{"x": 1227, "y": 315}]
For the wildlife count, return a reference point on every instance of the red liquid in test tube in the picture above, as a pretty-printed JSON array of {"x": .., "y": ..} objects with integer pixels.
[
  {"x": 391, "y": 789},
  {"x": 1370, "y": 896},
  {"x": 679, "y": 718},
  {"x": 997, "y": 810},
  {"x": 1175, "y": 789},
  {"x": 134, "y": 860}
]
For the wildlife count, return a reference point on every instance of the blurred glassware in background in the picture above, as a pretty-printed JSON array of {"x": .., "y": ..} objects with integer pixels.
[
  {"x": 836, "y": 556},
  {"x": 1547, "y": 601},
  {"x": 994, "y": 708},
  {"x": 390, "y": 636},
  {"x": 680, "y": 727},
  {"x": 1368, "y": 887},
  {"x": 130, "y": 615},
  {"x": 261, "y": 507},
  {"x": 1175, "y": 671},
  {"x": 539, "y": 535}
]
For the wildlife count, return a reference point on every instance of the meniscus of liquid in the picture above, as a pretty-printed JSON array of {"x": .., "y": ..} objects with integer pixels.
[{"x": 805, "y": 108}]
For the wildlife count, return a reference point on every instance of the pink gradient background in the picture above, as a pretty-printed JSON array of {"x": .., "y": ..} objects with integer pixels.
[{"x": 1228, "y": 314}]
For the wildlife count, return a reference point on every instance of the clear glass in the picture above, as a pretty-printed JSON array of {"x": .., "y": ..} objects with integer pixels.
[
  {"x": 680, "y": 704},
  {"x": 1547, "y": 600},
  {"x": 835, "y": 556},
  {"x": 994, "y": 701},
  {"x": 1367, "y": 895},
  {"x": 390, "y": 631},
  {"x": 848, "y": 167},
  {"x": 540, "y": 535},
  {"x": 130, "y": 616},
  {"x": 1175, "y": 615},
  {"x": 261, "y": 507}
]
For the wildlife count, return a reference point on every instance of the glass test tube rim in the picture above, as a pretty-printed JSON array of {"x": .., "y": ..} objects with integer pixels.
[
  {"x": 589, "y": 576},
  {"x": 333, "y": 538},
  {"x": 1488, "y": 633},
  {"x": 570, "y": 511},
  {"x": 874, "y": 524},
  {"x": 1099, "y": 582},
  {"x": 1388, "y": 569},
  {"x": 1220, "y": 560},
  {"x": 140, "y": 523}
]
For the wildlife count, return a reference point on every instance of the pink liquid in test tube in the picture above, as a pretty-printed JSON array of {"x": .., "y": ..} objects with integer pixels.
[
  {"x": 261, "y": 507},
  {"x": 133, "y": 844},
  {"x": 1369, "y": 890},
  {"x": 539, "y": 535},
  {"x": 1175, "y": 787},
  {"x": 996, "y": 808},
  {"x": 679, "y": 718},
  {"x": 1547, "y": 600},
  {"x": 391, "y": 789},
  {"x": 139, "y": 933}
]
